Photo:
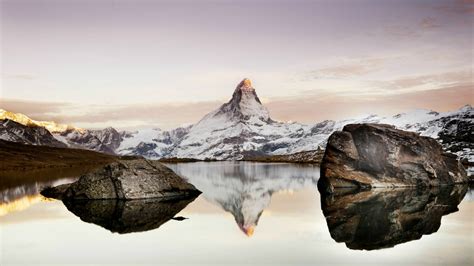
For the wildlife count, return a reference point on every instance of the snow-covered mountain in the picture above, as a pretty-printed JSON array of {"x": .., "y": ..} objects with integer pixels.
[
  {"x": 240, "y": 126},
  {"x": 105, "y": 140},
  {"x": 33, "y": 135},
  {"x": 51, "y": 126},
  {"x": 243, "y": 128},
  {"x": 18, "y": 127},
  {"x": 151, "y": 143}
]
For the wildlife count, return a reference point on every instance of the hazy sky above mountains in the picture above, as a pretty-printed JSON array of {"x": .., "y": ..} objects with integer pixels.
[{"x": 167, "y": 63}]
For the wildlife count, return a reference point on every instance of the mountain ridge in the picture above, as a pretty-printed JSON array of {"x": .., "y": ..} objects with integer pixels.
[
  {"x": 243, "y": 126},
  {"x": 51, "y": 126}
]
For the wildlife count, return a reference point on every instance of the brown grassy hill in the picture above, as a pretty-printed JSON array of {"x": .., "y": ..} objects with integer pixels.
[{"x": 16, "y": 156}]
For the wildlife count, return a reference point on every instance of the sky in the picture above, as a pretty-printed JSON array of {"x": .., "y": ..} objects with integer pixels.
[{"x": 167, "y": 63}]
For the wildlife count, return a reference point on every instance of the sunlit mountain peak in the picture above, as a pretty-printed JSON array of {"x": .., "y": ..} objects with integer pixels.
[
  {"x": 245, "y": 85},
  {"x": 51, "y": 126},
  {"x": 248, "y": 230}
]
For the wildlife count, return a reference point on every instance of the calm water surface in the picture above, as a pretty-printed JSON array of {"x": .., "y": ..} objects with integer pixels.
[{"x": 248, "y": 213}]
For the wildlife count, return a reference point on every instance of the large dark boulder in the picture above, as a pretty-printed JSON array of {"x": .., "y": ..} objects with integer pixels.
[
  {"x": 126, "y": 179},
  {"x": 377, "y": 155},
  {"x": 383, "y": 218}
]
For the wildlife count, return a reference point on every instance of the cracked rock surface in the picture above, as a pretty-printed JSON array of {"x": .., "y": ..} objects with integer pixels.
[
  {"x": 377, "y": 155},
  {"x": 127, "y": 180}
]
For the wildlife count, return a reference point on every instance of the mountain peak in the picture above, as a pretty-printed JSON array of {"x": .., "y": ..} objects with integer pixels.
[
  {"x": 243, "y": 108},
  {"x": 245, "y": 90},
  {"x": 245, "y": 103},
  {"x": 245, "y": 85},
  {"x": 466, "y": 108},
  {"x": 51, "y": 126}
]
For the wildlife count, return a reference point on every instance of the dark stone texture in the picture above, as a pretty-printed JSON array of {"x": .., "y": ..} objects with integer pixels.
[
  {"x": 377, "y": 155},
  {"x": 126, "y": 179}
]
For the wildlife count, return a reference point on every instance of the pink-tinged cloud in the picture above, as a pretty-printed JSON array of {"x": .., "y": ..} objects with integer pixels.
[{"x": 311, "y": 109}]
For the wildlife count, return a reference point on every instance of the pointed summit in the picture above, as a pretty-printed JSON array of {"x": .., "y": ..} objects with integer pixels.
[
  {"x": 245, "y": 85},
  {"x": 245, "y": 90},
  {"x": 236, "y": 118},
  {"x": 245, "y": 104}
]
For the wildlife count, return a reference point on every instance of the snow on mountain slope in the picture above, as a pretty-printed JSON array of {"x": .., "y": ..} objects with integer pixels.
[
  {"x": 454, "y": 130},
  {"x": 105, "y": 140},
  {"x": 134, "y": 138},
  {"x": 243, "y": 127},
  {"x": 33, "y": 135},
  {"x": 151, "y": 143},
  {"x": 39, "y": 133},
  {"x": 51, "y": 126}
]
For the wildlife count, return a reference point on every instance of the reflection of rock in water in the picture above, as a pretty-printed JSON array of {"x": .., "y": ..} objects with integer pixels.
[
  {"x": 123, "y": 217},
  {"x": 243, "y": 188},
  {"x": 378, "y": 219}
]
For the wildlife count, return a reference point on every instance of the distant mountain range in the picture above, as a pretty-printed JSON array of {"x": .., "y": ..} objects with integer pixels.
[{"x": 238, "y": 129}]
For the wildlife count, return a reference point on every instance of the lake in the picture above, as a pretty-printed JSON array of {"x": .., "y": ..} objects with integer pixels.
[{"x": 248, "y": 213}]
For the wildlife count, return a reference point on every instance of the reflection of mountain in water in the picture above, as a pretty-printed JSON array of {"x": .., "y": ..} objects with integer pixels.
[
  {"x": 378, "y": 219},
  {"x": 123, "y": 217},
  {"x": 22, "y": 196},
  {"x": 21, "y": 189},
  {"x": 243, "y": 188}
]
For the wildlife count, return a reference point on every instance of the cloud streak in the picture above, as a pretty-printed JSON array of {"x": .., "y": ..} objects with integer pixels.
[
  {"x": 425, "y": 82},
  {"x": 314, "y": 108},
  {"x": 33, "y": 108},
  {"x": 429, "y": 23},
  {"x": 22, "y": 77},
  {"x": 121, "y": 116},
  {"x": 330, "y": 60},
  {"x": 457, "y": 7},
  {"x": 348, "y": 69}
]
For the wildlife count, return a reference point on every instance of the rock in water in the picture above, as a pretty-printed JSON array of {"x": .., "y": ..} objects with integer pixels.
[
  {"x": 377, "y": 155},
  {"x": 126, "y": 179}
]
